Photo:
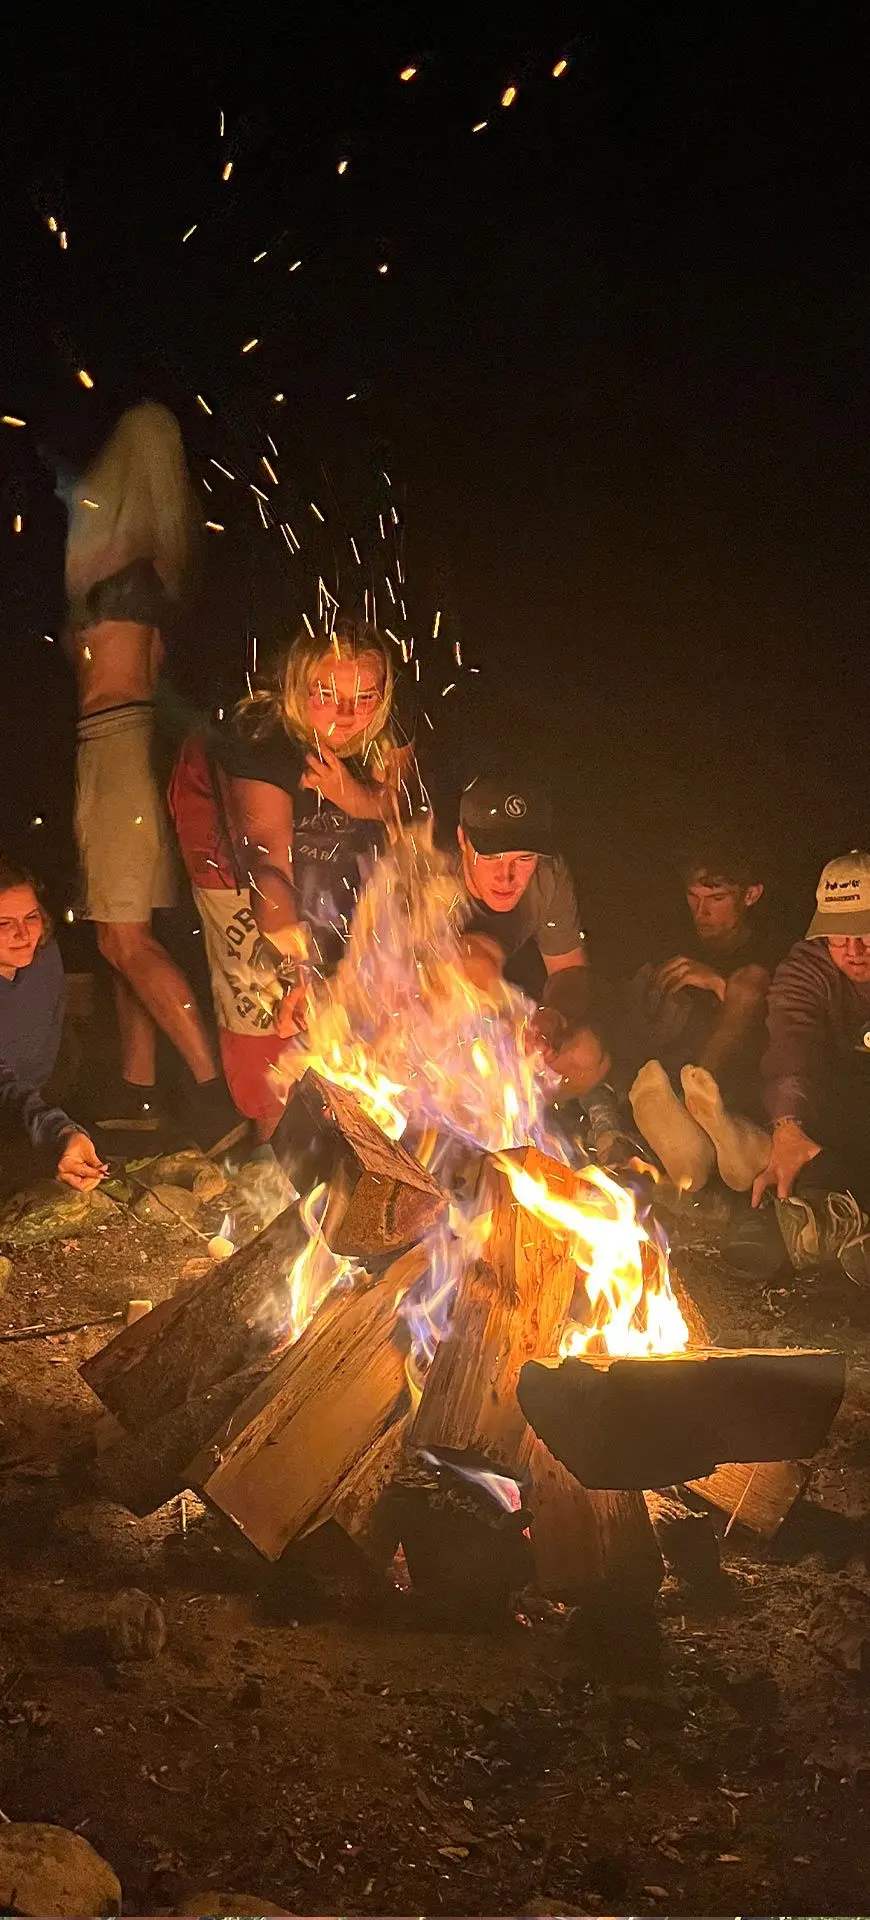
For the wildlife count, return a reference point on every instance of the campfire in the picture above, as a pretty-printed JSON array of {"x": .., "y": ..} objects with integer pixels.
[{"x": 460, "y": 1332}]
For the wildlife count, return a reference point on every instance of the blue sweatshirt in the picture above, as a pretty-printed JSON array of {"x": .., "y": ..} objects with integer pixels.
[{"x": 31, "y": 1017}]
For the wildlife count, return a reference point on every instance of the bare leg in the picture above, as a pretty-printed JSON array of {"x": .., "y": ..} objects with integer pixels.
[
  {"x": 742, "y": 1148},
  {"x": 138, "y": 1036},
  {"x": 161, "y": 989},
  {"x": 684, "y": 1149}
]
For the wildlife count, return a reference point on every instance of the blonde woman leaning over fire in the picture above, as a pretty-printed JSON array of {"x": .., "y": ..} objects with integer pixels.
[{"x": 306, "y": 781}]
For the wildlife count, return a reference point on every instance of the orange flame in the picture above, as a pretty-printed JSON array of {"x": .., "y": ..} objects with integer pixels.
[{"x": 632, "y": 1306}]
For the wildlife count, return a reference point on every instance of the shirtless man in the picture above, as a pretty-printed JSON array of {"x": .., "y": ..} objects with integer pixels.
[{"x": 127, "y": 546}]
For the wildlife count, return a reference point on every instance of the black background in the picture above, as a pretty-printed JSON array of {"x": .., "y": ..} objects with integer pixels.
[{"x": 617, "y": 372}]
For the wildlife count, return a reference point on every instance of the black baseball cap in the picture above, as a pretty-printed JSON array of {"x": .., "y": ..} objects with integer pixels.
[{"x": 507, "y": 816}]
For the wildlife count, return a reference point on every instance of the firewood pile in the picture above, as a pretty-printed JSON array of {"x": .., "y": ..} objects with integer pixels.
[{"x": 504, "y": 1464}]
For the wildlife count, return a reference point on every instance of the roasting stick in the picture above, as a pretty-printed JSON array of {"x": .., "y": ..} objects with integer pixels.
[{"x": 144, "y": 1188}]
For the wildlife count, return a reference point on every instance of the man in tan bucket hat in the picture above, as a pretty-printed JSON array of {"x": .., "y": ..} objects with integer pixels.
[{"x": 816, "y": 1085}]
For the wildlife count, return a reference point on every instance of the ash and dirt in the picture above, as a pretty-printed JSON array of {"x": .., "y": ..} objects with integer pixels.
[{"x": 340, "y": 1755}]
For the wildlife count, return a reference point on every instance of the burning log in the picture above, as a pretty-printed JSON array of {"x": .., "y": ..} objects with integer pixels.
[
  {"x": 509, "y": 1305},
  {"x": 662, "y": 1419},
  {"x": 228, "y": 1320},
  {"x": 324, "y": 1135},
  {"x": 285, "y": 1452},
  {"x": 587, "y": 1543},
  {"x": 364, "y": 1503},
  {"x": 379, "y": 1199},
  {"x": 142, "y": 1470}
]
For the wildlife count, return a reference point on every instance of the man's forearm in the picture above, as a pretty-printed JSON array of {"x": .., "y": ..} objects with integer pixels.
[{"x": 568, "y": 993}]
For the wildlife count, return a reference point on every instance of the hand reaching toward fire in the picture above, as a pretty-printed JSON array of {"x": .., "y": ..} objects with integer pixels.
[
  {"x": 481, "y": 960},
  {"x": 790, "y": 1150},
  {"x": 291, "y": 1013}
]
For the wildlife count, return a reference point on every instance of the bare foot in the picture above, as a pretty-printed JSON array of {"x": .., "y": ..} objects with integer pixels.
[
  {"x": 742, "y": 1148},
  {"x": 684, "y": 1149}
]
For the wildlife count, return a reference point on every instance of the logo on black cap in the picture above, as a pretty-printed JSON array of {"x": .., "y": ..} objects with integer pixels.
[{"x": 515, "y": 806}]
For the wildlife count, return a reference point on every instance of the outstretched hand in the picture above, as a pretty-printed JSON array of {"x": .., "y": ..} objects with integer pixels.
[
  {"x": 79, "y": 1165},
  {"x": 790, "y": 1150}
]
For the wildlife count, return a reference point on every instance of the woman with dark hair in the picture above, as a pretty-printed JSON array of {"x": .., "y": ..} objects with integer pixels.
[{"x": 32, "y": 999}]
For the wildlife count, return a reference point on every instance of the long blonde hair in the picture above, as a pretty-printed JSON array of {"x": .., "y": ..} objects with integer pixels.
[
  {"x": 285, "y": 702},
  {"x": 142, "y": 504}
]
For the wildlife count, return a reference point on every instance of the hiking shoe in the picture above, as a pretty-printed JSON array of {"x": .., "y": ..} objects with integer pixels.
[
  {"x": 819, "y": 1228},
  {"x": 126, "y": 1108}
]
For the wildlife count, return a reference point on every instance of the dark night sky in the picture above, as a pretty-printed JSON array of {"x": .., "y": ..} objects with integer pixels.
[{"x": 618, "y": 370}]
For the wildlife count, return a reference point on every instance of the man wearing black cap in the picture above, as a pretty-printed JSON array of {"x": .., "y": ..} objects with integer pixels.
[{"x": 519, "y": 889}]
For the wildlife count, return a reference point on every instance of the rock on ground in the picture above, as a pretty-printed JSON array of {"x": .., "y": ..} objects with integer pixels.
[
  {"x": 135, "y": 1626},
  {"x": 47, "y": 1870},
  {"x": 49, "y": 1211},
  {"x": 161, "y": 1206},
  {"x": 5, "y": 1272}
]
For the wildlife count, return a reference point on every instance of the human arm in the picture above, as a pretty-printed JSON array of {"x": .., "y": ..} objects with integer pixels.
[
  {"x": 331, "y": 777},
  {"x": 740, "y": 1019},
  {"x": 683, "y": 972},
  {"x": 50, "y": 1128},
  {"x": 263, "y": 820},
  {"x": 790, "y": 1070}
]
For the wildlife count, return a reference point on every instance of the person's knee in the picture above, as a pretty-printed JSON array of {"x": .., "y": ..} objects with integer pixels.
[{"x": 121, "y": 942}]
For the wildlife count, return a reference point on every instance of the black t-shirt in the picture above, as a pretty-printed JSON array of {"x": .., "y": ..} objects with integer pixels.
[{"x": 332, "y": 853}]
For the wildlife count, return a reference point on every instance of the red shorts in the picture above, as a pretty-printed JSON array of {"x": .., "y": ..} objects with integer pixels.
[{"x": 249, "y": 1062}]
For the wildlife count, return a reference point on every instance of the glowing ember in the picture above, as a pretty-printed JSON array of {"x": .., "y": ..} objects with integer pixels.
[{"x": 632, "y": 1306}]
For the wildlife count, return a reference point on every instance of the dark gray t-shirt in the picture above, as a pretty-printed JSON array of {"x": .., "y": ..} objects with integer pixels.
[{"x": 547, "y": 913}]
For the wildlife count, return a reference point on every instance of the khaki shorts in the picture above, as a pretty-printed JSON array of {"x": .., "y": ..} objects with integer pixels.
[{"x": 122, "y": 827}]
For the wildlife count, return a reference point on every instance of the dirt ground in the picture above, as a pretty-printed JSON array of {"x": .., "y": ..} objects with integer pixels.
[{"x": 335, "y": 1759}]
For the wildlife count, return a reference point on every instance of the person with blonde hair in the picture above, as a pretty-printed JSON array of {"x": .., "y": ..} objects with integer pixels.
[
  {"x": 279, "y": 816},
  {"x": 130, "y": 521}
]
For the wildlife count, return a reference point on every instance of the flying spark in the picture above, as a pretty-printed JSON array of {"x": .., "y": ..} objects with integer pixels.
[
  {"x": 224, "y": 470},
  {"x": 51, "y": 223},
  {"x": 223, "y": 123},
  {"x": 384, "y": 267},
  {"x": 342, "y": 166},
  {"x": 509, "y": 96},
  {"x": 269, "y": 469},
  {"x": 278, "y": 399},
  {"x": 560, "y": 68},
  {"x": 227, "y": 170},
  {"x": 17, "y": 523},
  {"x": 260, "y": 256},
  {"x": 190, "y": 230},
  {"x": 204, "y": 405},
  {"x": 215, "y": 526},
  {"x": 350, "y": 396},
  {"x": 64, "y": 243},
  {"x": 296, "y": 263},
  {"x": 84, "y": 377},
  {"x": 355, "y": 551},
  {"x": 408, "y": 73},
  {"x": 321, "y": 516},
  {"x": 12, "y": 420},
  {"x": 251, "y": 344},
  {"x": 479, "y": 126},
  {"x": 437, "y": 625}
]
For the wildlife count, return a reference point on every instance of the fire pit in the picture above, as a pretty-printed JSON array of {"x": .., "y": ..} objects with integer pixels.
[{"x": 510, "y": 1323}]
